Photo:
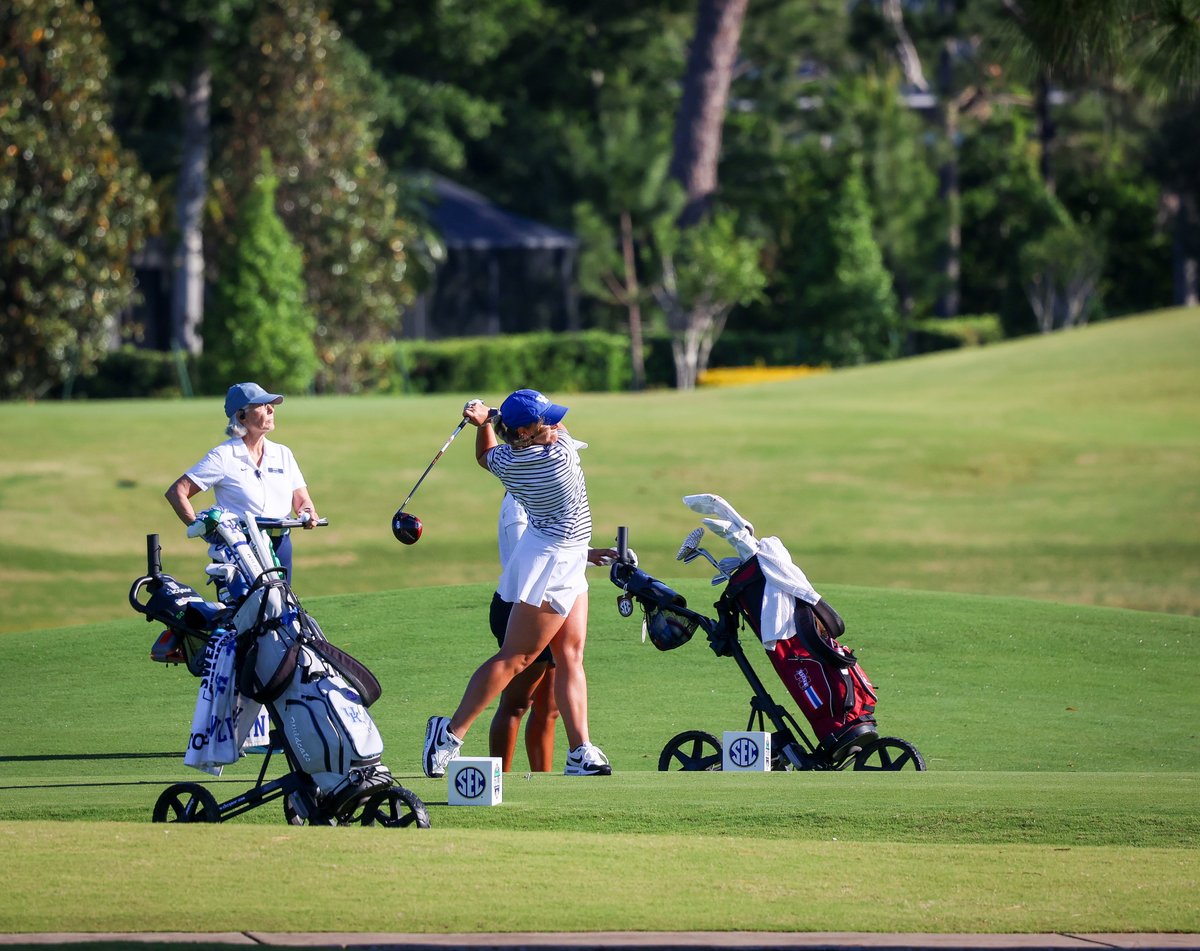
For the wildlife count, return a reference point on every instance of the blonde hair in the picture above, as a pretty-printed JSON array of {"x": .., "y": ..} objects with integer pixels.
[{"x": 510, "y": 436}]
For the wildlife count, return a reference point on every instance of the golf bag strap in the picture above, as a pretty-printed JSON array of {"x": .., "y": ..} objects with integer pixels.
[
  {"x": 351, "y": 668},
  {"x": 354, "y": 670},
  {"x": 830, "y": 618},
  {"x": 810, "y": 637},
  {"x": 276, "y": 683}
]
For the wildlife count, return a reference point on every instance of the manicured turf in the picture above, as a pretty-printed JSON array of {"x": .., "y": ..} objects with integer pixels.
[
  {"x": 1064, "y": 468},
  {"x": 1061, "y": 792},
  {"x": 962, "y": 511}
]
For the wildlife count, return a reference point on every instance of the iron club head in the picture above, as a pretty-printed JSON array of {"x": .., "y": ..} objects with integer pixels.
[{"x": 691, "y": 544}]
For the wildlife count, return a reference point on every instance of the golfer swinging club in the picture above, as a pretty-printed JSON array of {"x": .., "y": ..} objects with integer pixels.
[{"x": 543, "y": 579}]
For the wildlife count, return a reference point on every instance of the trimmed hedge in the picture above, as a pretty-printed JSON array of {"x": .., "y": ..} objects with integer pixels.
[
  {"x": 131, "y": 372},
  {"x": 949, "y": 333},
  {"x": 591, "y": 361}
]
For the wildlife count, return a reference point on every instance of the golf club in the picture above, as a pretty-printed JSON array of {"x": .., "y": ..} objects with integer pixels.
[
  {"x": 406, "y": 527},
  {"x": 690, "y": 550},
  {"x": 690, "y": 544}
]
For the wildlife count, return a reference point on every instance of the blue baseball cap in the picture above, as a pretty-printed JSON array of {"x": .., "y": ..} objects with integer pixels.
[
  {"x": 526, "y": 407},
  {"x": 248, "y": 394}
]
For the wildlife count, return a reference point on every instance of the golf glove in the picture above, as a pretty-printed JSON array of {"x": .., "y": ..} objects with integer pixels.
[{"x": 630, "y": 554}]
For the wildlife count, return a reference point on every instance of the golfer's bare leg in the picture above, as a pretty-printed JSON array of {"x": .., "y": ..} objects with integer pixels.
[
  {"x": 516, "y": 700},
  {"x": 539, "y": 728},
  {"x": 570, "y": 683},
  {"x": 529, "y": 630}
]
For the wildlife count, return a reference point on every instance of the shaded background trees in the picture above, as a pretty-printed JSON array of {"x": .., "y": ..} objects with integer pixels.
[
  {"x": 74, "y": 205},
  {"x": 888, "y": 161},
  {"x": 259, "y": 325}
]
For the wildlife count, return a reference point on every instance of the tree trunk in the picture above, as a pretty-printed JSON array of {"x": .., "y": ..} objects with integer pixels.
[
  {"x": 1185, "y": 268},
  {"x": 906, "y": 52},
  {"x": 948, "y": 301},
  {"x": 187, "y": 294},
  {"x": 1046, "y": 130},
  {"x": 705, "y": 96},
  {"x": 637, "y": 357}
]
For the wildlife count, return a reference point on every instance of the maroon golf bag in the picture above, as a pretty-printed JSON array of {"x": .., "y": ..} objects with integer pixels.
[{"x": 822, "y": 676}]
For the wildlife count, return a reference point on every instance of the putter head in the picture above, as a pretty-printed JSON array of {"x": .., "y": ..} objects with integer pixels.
[{"x": 691, "y": 545}]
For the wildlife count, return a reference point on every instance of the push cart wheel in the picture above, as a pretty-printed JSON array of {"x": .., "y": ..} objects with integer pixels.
[
  {"x": 396, "y": 808},
  {"x": 691, "y": 751},
  {"x": 187, "y": 802},
  {"x": 294, "y": 817},
  {"x": 290, "y": 815},
  {"x": 889, "y": 753}
]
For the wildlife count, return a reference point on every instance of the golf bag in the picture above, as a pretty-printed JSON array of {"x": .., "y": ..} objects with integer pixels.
[
  {"x": 823, "y": 677},
  {"x": 767, "y": 593},
  {"x": 257, "y": 647}
]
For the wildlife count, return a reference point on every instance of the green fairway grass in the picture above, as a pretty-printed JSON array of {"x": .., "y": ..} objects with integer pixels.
[
  {"x": 1061, "y": 793},
  {"x": 1012, "y": 535},
  {"x": 1064, "y": 468}
]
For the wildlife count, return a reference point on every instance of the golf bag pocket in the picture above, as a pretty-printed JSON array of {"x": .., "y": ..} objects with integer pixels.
[
  {"x": 667, "y": 621},
  {"x": 326, "y": 727},
  {"x": 827, "y": 684},
  {"x": 190, "y": 620},
  {"x": 324, "y": 722},
  {"x": 355, "y": 671}
]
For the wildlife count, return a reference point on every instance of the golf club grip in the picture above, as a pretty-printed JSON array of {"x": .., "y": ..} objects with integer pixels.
[
  {"x": 622, "y": 543},
  {"x": 153, "y": 555}
]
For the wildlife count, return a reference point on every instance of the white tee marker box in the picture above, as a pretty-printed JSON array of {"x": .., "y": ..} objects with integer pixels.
[
  {"x": 474, "y": 781},
  {"x": 745, "y": 751}
]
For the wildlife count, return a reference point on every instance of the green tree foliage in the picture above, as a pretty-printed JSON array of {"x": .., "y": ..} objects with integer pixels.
[
  {"x": 306, "y": 94},
  {"x": 1156, "y": 41},
  {"x": 258, "y": 325},
  {"x": 1061, "y": 270},
  {"x": 707, "y": 269},
  {"x": 438, "y": 61},
  {"x": 852, "y": 308},
  {"x": 1005, "y": 206},
  {"x": 168, "y": 55},
  {"x": 625, "y": 163},
  {"x": 902, "y": 187},
  {"x": 815, "y": 160},
  {"x": 73, "y": 204},
  {"x": 1173, "y": 161},
  {"x": 1104, "y": 185}
]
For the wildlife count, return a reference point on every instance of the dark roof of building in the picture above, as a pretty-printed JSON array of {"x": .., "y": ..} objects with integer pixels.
[{"x": 467, "y": 220}]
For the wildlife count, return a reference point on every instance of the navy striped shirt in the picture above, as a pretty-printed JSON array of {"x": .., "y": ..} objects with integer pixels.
[{"x": 548, "y": 481}]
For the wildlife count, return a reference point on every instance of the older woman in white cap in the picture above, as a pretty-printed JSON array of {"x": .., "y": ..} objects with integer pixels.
[
  {"x": 538, "y": 462},
  {"x": 248, "y": 473}
]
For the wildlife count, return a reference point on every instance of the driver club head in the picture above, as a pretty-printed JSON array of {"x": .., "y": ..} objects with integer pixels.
[
  {"x": 406, "y": 527},
  {"x": 687, "y": 551}
]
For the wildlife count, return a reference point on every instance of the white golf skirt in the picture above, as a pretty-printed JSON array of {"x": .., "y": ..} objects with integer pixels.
[{"x": 545, "y": 569}]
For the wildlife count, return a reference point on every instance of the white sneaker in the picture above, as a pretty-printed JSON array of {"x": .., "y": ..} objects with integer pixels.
[
  {"x": 587, "y": 760},
  {"x": 441, "y": 746}
]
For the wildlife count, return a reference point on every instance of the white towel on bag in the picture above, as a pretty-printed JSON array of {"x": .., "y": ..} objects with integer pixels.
[
  {"x": 223, "y": 721},
  {"x": 785, "y": 582}
]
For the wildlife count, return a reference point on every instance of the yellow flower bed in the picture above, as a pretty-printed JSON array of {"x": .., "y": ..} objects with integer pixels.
[{"x": 740, "y": 376}]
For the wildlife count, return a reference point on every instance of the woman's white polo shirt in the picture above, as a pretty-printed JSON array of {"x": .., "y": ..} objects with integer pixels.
[{"x": 240, "y": 486}]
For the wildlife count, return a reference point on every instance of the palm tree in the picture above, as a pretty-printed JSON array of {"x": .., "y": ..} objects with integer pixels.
[{"x": 1154, "y": 44}]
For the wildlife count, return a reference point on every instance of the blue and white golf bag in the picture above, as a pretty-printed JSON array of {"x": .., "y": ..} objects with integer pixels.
[{"x": 263, "y": 648}]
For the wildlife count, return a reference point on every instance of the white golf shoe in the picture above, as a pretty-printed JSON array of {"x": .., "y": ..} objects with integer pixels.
[
  {"x": 587, "y": 760},
  {"x": 441, "y": 746}
]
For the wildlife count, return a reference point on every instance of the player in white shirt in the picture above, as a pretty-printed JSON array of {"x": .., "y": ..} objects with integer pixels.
[{"x": 249, "y": 473}]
